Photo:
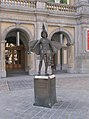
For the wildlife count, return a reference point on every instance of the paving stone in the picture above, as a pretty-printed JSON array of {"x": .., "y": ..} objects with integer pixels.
[
  {"x": 48, "y": 114},
  {"x": 15, "y": 85},
  {"x": 16, "y": 101},
  {"x": 4, "y": 86}
]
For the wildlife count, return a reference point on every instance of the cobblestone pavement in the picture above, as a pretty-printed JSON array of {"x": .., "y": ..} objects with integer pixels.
[{"x": 17, "y": 98}]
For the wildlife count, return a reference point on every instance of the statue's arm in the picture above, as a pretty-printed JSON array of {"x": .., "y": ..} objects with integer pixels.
[
  {"x": 33, "y": 46},
  {"x": 38, "y": 41}
]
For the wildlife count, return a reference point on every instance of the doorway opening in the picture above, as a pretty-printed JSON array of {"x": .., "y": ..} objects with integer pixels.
[
  {"x": 15, "y": 57},
  {"x": 60, "y": 59}
]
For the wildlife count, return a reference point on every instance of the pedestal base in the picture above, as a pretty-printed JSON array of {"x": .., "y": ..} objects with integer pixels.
[{"x": 45, "y": 90}]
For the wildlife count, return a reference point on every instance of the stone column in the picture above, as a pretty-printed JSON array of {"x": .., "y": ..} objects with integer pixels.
[
  {"x": 18, "y": 40},
  {"x": 38, "y": 30},
  {"x": 58, "y": 67},
  {"x": 61, "y": 38},
  {"x": 70, "y": 59},
  {"x": 3, "y": 68},
  {"x": 31, "y": 64},
  {"x": 58, "y": 60}
]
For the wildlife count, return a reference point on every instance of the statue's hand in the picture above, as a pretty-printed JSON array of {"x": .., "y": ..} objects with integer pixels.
[{"x": 32, "y": 49}]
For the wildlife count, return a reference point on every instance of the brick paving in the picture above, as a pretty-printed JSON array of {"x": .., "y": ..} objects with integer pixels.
[{"x": 17, "y": 98}]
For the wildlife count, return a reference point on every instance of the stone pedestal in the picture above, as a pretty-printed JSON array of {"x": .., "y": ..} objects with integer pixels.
[{"x": 45, "y": 90}]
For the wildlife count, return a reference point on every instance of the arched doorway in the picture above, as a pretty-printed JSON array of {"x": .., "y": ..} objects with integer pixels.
[
  {"x": 15, "y": 52},
  {"x": 60, "y": 58}
]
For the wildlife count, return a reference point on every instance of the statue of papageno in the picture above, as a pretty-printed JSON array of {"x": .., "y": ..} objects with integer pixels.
[{"x": 45, "y": 48}]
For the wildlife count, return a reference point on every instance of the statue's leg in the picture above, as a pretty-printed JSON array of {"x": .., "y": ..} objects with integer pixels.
[
  {"x": 52, "y": 64},
  {"x": 40, "y": 65},
  {"x": 46, "y": 63},
  {"x": 46, "y": 67}
]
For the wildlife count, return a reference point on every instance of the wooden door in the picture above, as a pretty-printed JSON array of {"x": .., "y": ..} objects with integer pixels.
[{"x": 15, "y": 58}]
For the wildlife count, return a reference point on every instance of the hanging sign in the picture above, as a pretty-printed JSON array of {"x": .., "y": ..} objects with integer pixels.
[{"x": 87, "y": 42}]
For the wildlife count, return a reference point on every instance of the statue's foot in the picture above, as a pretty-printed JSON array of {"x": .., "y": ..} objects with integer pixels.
[
  {"x": 38, "y": 73},
  {"x": 46, "y": 74}
]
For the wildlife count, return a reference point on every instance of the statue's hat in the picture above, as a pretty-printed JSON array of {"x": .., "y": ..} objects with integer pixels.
[{"x": 44, "y": 31}]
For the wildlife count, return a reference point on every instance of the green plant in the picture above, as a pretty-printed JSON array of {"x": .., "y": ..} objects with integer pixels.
[{"x": 63, "y": 1}]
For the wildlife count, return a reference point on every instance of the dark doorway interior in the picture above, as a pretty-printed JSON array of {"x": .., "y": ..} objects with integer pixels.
[{"x": 14, "y": 56}]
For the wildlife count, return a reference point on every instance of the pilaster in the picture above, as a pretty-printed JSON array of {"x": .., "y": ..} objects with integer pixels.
[
  {"x": 2, "y": 61},
  {"x": 41, "y": 4},
  {"x": 71, "y": 59},
  {"x": 31, "y": 63},
  {"x": 38, "y": 30}
]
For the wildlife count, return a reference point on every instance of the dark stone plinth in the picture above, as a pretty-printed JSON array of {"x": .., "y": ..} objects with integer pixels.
[{"x": 45, "y": 90}]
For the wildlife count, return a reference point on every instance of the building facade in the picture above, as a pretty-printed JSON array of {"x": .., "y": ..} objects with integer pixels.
[{"x": 21, "y": 22}]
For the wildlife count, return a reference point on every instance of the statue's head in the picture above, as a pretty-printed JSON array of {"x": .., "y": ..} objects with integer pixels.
[{"x": 44, "y": 33}]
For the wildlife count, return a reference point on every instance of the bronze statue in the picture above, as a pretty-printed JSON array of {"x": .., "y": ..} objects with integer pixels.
[{"x": 45, "y": 48}]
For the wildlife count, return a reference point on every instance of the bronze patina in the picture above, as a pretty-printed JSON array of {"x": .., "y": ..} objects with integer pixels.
[{"x": 45, "y": 48}]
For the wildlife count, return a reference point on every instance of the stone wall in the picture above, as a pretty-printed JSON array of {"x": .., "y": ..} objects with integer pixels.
[{"x": 73, "y": 20}]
